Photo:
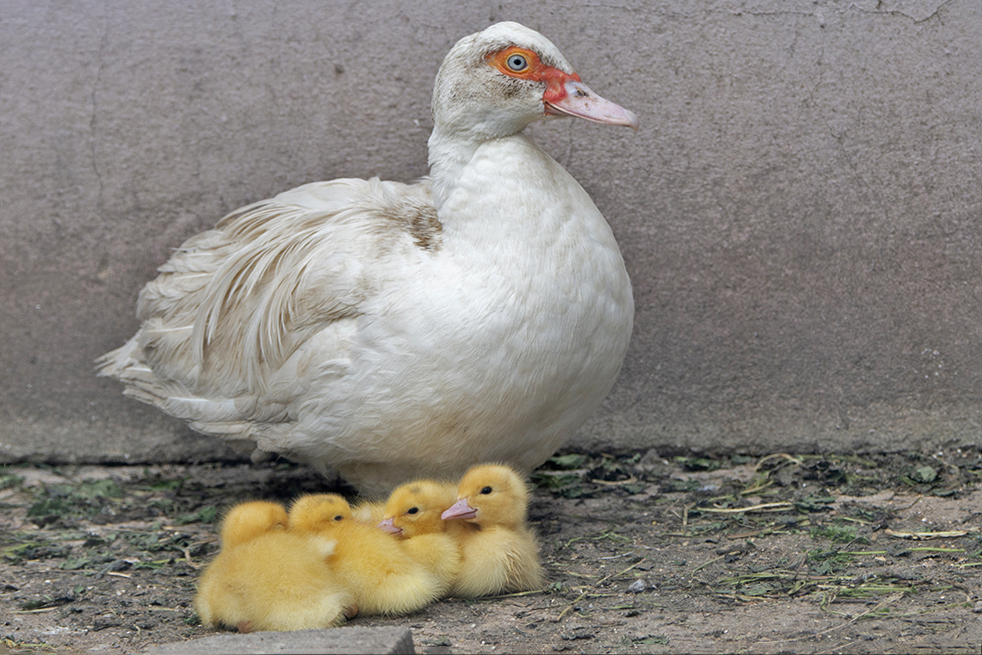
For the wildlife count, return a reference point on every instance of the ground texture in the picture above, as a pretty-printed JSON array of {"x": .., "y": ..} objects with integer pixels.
[{"x": 780, "y": 554}]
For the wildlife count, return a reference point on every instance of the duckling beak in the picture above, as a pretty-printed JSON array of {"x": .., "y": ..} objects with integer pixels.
[
  {"x": 459, "y": 510},
  {"x": 389, "y": 526},
  {"x": 574, "y": 98}
]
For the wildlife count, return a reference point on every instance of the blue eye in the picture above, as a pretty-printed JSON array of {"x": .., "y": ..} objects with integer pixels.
[{"x": 517, "y": 63}]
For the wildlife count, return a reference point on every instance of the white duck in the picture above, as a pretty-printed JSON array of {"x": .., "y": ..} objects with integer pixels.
[{"x": 392, "y": 331}]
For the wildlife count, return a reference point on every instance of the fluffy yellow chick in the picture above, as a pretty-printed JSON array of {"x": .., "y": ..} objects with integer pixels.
[
  {"x": 498, "y": 551},
  {"x": 378, "y": 570},
  {"x": 248, "y": 520},
  {"x": 412, "y": 513},
  {"x": 266, "y": 578}
]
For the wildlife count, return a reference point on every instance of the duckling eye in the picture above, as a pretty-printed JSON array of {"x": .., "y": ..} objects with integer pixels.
[
  {"x": 338, "y": 518},
  {"x": 486, "y": 490},
  {"x": 517, "y": 63},
  {"x": 412, "y": 510}
]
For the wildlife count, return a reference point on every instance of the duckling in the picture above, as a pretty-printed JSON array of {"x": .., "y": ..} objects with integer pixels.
[
  {"x": 315, "y": 513},
  {"x": 373, "y": 565},
  {"x": 498, "y": 551},
  {"x": 412, "y": 513},
  {"x": 248, "y": 520},
  {"x": 266, "y": 578}
]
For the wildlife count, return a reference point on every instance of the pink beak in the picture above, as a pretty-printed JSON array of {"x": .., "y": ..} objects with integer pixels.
[
  {"x": 389, "y": 526},
  {"x": 459, "y": 510},
  {"x": 574, "y": 98}
]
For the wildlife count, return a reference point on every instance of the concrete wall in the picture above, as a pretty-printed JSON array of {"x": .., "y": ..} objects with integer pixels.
[{"x": 801, "y": 211}]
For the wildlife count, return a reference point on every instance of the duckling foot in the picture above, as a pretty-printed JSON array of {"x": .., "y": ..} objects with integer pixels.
[
  {"x": 351, "y": 611},
  {"x": 245, "y": 626}
]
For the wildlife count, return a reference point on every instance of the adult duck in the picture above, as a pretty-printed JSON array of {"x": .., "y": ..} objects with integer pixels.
[{"x": 391, "y": 331}]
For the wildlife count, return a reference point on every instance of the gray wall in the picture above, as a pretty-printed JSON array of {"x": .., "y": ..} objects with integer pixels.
[{"x": 801, "y": 211}]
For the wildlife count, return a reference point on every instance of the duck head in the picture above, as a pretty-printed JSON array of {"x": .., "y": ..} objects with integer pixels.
[{"x": 495, "y": 83}]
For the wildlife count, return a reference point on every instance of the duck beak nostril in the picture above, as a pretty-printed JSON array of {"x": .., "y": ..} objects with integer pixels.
[{"x": 576, "y": 99}]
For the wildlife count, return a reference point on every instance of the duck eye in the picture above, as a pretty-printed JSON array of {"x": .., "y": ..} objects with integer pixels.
[
  {"x": 338, "y": 518},
  {"x": 412, "y": 510},
  {"x": 486, "y": 490},
  {"x": 517, "y": 63}
]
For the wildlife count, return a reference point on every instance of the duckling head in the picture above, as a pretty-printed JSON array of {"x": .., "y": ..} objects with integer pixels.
[
  {"x": 415, "y": 507},
  {"x": 246, "y": 521},
  {"x": 490, "y": 494},
  {"x": 318, "y": 512}
]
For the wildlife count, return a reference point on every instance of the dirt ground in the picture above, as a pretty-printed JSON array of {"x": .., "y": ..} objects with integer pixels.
[{"x": 647, "y": 554}]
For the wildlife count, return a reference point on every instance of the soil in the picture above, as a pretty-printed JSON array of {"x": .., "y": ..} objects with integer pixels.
[{"x": 647, "y": 554}]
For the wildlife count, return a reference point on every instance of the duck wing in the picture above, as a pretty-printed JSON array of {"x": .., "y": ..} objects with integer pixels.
[{"x": 225, "y": 323}]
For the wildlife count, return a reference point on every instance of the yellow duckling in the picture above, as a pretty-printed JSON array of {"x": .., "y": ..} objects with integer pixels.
[
  {"x": 498, "y": 551},
  {"x": 248, "y": 520},
  {"x": 266, "y": 578},
  {"x": 412, "y": 513},
  {"x": 373, "y": 565}
]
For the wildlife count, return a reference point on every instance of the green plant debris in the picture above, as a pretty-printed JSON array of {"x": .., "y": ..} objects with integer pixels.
[
  {"x": 47, "y": 602},
  {"x": 153, "y": 564},
  {"x": 610, "y": 470},
  {"x": 825, "y": 562},
  {"x": 712, "y": 526},
  {"x": 553, "y": 481},
  {"x": 869, "y": 590},
  {"x": 675, "y": 485},
  {"x": 764, "y": 507},
  {"x": 34, "y": 550},
  {"x": 927, "y": 549},
  {"x": 699, "y": 463},
  {"x": 85, "y": 500},
  {"x": 783, "y": 583},
  {"x": 839, "y": 534},
  {"x": 919, "y": 475},
  {"x": 10, "y": 645},
  {"x": 167, "y": 485},
  {"x": 567, "y": 462},
  {"x": 760, "y": 482},
  {"x": 9, "y": 480},
  {"x": 75, "y": 563},
  {"x": 813, "y": 503},
  {"x": 203, "y": 515}
]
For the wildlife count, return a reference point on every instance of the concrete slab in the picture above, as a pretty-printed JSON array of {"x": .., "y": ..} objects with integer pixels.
[{"x": 394, "y": 641}]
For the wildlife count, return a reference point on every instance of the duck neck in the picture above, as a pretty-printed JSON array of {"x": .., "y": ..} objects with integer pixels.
[
  {"x": 447, "y": 158},
  {"x": 449, "y": 154}
]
